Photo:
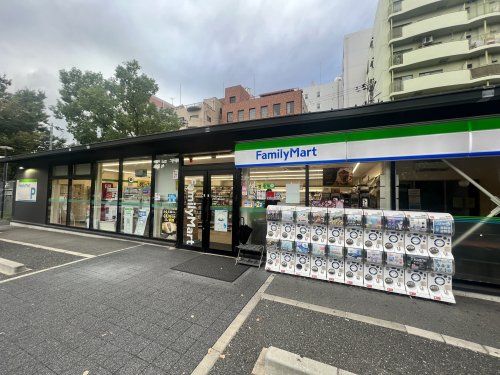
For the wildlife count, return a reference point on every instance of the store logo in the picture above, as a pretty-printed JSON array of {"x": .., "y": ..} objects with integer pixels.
[
  {"x": 286, "y": 154},
  {"x": 191, "y": 215}
]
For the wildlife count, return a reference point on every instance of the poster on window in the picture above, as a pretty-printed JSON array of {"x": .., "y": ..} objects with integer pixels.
[
  {"x": 26, "y": 190},
  {"x": 142, "y": 219},
  {"x": 128, "y": 220},
  {"x": 220, "y": 220},
  {"x": 168, "y": 224}
]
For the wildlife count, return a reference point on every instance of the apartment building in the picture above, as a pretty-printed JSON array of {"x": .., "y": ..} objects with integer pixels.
[
  {"x": 239, "y": 105},
  {"x": 160, "y": 103},
  {"x": 422, "y": 47},
  {"x": 324, "y": 97},
  {"x": 355, "y": 55},
  {"x": 205, "y": 113}
]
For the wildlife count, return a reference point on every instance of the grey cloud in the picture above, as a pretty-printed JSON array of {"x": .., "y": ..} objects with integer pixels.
[{"x": 199, "y": 44}]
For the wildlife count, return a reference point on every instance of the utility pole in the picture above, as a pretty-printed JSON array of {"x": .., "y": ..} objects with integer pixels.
[{"x": 4, "y": 177}]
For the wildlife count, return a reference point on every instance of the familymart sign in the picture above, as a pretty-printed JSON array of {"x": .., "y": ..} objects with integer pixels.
[{"x": 461, "y": 138}]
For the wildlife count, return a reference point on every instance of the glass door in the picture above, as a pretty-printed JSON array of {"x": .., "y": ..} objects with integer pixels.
[
  {"x": 221, "y": 211},
  {"x": 80, "y": 203},
  {"x": 194, "y": 199}
]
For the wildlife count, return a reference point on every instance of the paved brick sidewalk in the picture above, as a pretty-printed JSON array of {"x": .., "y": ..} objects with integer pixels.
[{"x": 123, "y": 313}]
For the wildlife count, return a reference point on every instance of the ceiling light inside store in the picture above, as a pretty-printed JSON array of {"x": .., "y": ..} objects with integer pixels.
[
  {"x": 116, "y": 164},
  {"x": 355, "y": 167},
  {"x": 228, "y": 156}
]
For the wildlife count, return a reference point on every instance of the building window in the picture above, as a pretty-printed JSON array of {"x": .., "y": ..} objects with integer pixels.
[
  {"x": 136, "y": 193},
  {"x": 240, "y": 115},
  {"x": 263, "y": 111},
  {"x": 209, "y": 119},
  {"x": 431, "y": 72},
  {"x": 251, "y": 113},
  {"x": 290, "y": 108},
  {"x": 165, "y": 203},
  {"x": 318, "y": 106},
  {"x": 232, "y": 99},
  {"x": 106, "y": 195},
  {"x": 318, "y": 94},
  {"x": 230, "y": 117},
  {"x": 276, "y": 109},
  {"x": 193, "y": 117},
  {"x": 306, "y": 96}
]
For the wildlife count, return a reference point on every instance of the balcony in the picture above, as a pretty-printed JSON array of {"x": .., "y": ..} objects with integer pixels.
[
  {"x": 446, "y": 81},
  {"x": 413, "y": 8},
  {"x": 446, "y": 23},
  {"x": 449, "y": 50}
]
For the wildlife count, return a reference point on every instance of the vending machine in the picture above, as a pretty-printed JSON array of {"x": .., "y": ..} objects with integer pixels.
[
  {"x": 416, "y": 234},
  {"x": 374, "y": 270},
  {"x": 336, "y": 264},
  {"x": 273, "y": 255},
  {"x": 287, "y": 257},
  {"x": 353, "y": 228},
  {"x": 336, "y": 227},
  {"x": 416, "y": 273},
  {"x": 303, "y": 259},
  {"x": 319, "y": 261},
  {"x": 354, "y": 270},
  {"x": 319, "y": 222},
  {"x": 442, "y": 264},
  {"x": 287, "y": 227},
  {"x": 372, "y": 233},
  {"x": 440, "y": 279},
  {"x": 302, "y": 226},
  {"x": 441, "y": 227},
  {"x": 273, "y": 217},
  {"x": 393, "y": 234}
]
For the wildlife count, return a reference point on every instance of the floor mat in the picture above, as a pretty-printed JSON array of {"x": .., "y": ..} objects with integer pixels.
[{"x": 214, "y": 267}]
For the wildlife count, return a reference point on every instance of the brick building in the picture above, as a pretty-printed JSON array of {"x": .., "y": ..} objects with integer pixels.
[{"x": 239, "y": 105}]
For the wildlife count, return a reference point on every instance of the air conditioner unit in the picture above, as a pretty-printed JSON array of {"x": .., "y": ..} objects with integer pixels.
[{"x": 426, "y": 40}]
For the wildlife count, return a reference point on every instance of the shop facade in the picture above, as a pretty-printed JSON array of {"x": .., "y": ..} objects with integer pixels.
[{"x": 193, "y": 189}]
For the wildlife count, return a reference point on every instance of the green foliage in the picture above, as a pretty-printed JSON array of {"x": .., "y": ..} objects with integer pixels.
[
  {"x": 98, "y": 109},
  {"x": 23, "y": 120}
]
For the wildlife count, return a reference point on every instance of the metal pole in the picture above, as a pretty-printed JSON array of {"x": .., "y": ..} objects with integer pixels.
[{"x": 4, "y": 180}]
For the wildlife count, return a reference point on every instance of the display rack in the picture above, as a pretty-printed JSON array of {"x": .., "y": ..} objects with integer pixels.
[{"x": 250, "y": 255}]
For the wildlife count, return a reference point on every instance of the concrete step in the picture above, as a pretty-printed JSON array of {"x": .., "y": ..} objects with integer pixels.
[
  {"x": 9, "y": 267},
  {"x": 275, "y": 361}
]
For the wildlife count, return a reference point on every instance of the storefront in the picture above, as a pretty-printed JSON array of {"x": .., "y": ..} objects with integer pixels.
[{"x": 194, "y": 188}]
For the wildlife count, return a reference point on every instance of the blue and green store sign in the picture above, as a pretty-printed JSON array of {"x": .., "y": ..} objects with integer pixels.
[{"x": 459, "y": 138}]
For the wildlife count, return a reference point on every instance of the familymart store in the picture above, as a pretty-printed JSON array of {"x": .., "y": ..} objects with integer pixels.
[{"x": 450, "y": 166}]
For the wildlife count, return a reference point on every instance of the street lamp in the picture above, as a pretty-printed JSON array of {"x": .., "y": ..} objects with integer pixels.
[{"x": 4, "y": 176}]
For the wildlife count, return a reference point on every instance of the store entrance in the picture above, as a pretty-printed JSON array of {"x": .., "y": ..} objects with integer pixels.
[{"x": 208, "y": 210}]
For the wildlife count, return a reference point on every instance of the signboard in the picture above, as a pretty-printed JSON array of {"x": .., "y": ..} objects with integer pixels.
[
  {"x": 220, "y": 220},
  {"x": 128, "y": 220},
  {"x": 142, "y": 219},
  {"x": 26, "y": 190}
]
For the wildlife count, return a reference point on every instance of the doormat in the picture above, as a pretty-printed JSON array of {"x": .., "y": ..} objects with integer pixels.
[{"x": 214, "y": 267}]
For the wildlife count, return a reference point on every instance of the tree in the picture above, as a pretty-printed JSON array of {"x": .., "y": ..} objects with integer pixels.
[
  {"x": 98, "y": 109},
  {"x": 23, "y": 120}
]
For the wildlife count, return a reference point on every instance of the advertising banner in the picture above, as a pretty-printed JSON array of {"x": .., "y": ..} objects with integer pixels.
[
  {"x": 142, "y": 219},
  {"x": 26, "y": 190},
  {"x": 128, "y": 220},
  {"x": 220, "y": 220}
]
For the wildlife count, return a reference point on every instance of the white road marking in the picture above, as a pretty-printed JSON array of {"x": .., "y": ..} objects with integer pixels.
[
  {"x": 48, "y": 248},
  {"x": 464, "y": 344},
  {"x": 65, "y": 264},
  {"x": 484, "y": 297},
  {"x": 215, "y": 351}
]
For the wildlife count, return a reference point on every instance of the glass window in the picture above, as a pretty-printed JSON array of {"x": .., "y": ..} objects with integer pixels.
[
  {"x": 81, "y": 169},
  {"x": 318, "y": 106},
  {"x": 136, "y": 193},
  {"x": 230, "y": 117},
  {"x": 433, "y": 185},
  {"x": 267, "y": 186},
  {"x": 60, "y": 171},
  {"x": 165, "y": 200},
  {"x": 193, "y": 208},
  {"x": 58, "y": 201},
  {"x": 208, "y": 159},
  {"x": 306, "y": 96},
  {"x": 263, "y": 111},
  {"x": 289, "y": 108},
  {"x": 232, "y": 99},
  {"x": 106, "y": 196},
  {"x": 318, "y": 94},
  {"x": 240, "y": 115},
  {"x": 348, "y": 185},
  {"x": 80, "y": 203},
  {"x": 251, "y": 113},
  {"x": 276, "y": 109}
]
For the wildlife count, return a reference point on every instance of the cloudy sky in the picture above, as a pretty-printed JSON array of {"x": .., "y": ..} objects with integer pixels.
[{"x": 201, "y": 45}]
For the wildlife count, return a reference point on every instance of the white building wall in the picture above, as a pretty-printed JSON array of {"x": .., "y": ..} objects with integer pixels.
[
  {"x": 356, "y": 54},
  {"x": 324, "y": 97}
]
